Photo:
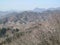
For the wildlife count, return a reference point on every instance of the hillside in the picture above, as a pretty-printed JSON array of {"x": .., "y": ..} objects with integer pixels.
[{"x": 31, "y": 28}]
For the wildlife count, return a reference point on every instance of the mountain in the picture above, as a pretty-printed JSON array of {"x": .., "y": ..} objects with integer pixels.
[
  {"x": 2, "y": 14},
  {"x": 44, "y": 10},
  {"x": 31, "y": 28},
  {"x": 39, "y": 9},
  {"x": 25, "y": 17}
]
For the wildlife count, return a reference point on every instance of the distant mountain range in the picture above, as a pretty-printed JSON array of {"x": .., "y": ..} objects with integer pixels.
[
  {"x": 38, "y": 10},
  {"x": 27, "y": 16},
  {"x": 2, "y": 13},
  {"x": 43, "y": 9}
]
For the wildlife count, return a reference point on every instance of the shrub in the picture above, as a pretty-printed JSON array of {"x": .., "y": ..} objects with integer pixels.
[
  {"x": 2, "y": 32},
  {"x": 17, "y": 30},
  {"x": 8, "y": 40}
]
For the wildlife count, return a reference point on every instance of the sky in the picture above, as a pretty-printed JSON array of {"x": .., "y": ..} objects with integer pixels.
[{"x": 6, "y": 5}]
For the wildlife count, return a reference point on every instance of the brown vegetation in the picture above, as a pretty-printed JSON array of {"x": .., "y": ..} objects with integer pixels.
[{"x": 31, "y": 28}]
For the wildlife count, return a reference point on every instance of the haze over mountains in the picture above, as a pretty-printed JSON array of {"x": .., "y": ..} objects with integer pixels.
[
  {"x": 32, "y": 27},
  {"x": 2, "y": 13},
  {"x": 30, "y": 15},
  {"x": 44, "y": 9}
]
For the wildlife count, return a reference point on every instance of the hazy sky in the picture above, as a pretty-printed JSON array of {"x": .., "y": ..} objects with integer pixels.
[{"x": 27, "y": 4}]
